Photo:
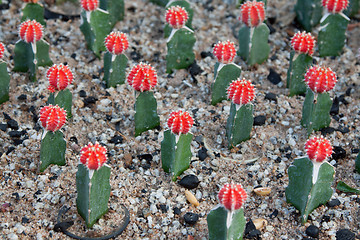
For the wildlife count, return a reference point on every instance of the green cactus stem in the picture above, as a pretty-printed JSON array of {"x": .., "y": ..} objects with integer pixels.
[
  {"x": 239, "y": 123},
  {"x": 295, "y": 75},
  {"x": 114, "y": 69},
  {"x": 93, "y": 193},
  {"x": 357, "y": 163},
  {"x": 33, "y": 11},
  {"x": 182, "y": 3},
  {"x": 96, "y": 25},
  {"x": 161, "y": 3},
  {"x": 308, "y": 13},
  {"x": 180, "y": 53},
  {"x": 332, "y": 37},
  {"x": 224, "y": 75},
  {"x": 52, "y": 151},
  {"x": 343, "y": 187},
  {"x": 4, "y": 82},
  {"x": 146, "y": 116},
  {"x": 24, "y": 57},
  {"x": 309, "y": 185},
  {"x": 253, "y": 44},
  {"x": 63, "y": 99},
  {"x": 353, "y": 8},
  {"x": 176, "y": 153},
  {"x": 316, "y": 111},
  {"x": 224, "y": 227},
  {"x": 116, "y": 9}
]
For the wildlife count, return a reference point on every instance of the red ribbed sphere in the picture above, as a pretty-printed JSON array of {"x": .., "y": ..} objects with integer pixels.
[
  {"x": 180, "y": 122},
  {"x": 252, "y": 13},
  {"x": 320, "y": 79},
  {"x": 2, "y": 50},
  {"x": 116, "y": 43},
  {"x": 176, "y": 16},
  {"x": 303, "y": 42},
  {"x": 241, "y": 91},
  {"x": 90, "y": 5},
  {"x": 52, "y": 118},
  {"x": 142, "y": 77},
  {"x": 59, "y": 77},
  {"x": 318, "y": 149},
  {"x": 93, "y": 156},
  {"x": 335, "y": 6},
  {"x": 30, "y": 31},
  {"x": 224, "y": 52},
  {"x": 232, "y": 196}
]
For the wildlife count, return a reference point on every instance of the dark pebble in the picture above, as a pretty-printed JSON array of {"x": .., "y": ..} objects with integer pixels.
[
  {"x": 204, "y": 54},
  {"x": 13, "y": 124},
  {"x": 312, "y": 231},
  {"x": 345, "y": 234},
  {"x": 10, "y": 149},
  {"x": 73, "y": 56},
  {"x": 250, "y": 229},
  {"x": 17, "y": 141},
  {"x": 335, "y": 107},
  {"x": 274, "y": 214},
  {"x": 271, "y": 96},
  {"x": 271, "y": 28},
  {"x": 259, "y": 120},
  {"x": 338, "y": 153},
  {"x": 327, "y": 130},
  {"x": 16, "y": 195},
  {"x": 163, "y": 208},
  {"x": 342, "y": 99},
  {"x": 147, "y": 156},
  {"x": 274, "y": 77},
  {"x": 3, "y": 127},
  {"x": 136, "y": 56},
  {"x": 116, "y": 139},
  {"x": 6, "y": 116},
  {"x": 90, "y": 100},
  {"x": 22, "y": 97},
  {"x": 25, "y": 220},
  {"x": 74, "y": 139},
  {"x": 16, "y": 134},
  {"x": 191, "y": 218},
  {"x": 194, "y": 70},
  {"x": 82, "y": 93},
  {"x": 176, "y": 211},
  {"x": 199, "y": 139},
  {"x": 189, "y": 181},
  {"x": 202, "y": 153},
  {"x": 333, "y": 203},
  {"x": 343, "y": 129}
]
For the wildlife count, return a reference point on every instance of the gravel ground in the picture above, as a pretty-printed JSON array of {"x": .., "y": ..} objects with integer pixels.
[{"x": 30, "y": 200}]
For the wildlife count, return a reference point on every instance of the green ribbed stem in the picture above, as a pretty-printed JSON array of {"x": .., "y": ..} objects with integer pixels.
[
  {"x": 33, "y": 11},
  {"x": 115, "y": 8},
  {"x": 114, "y": 70},
  {"x": 52, "y": 151},
  {"x": 146, "y": 116},
  {"x": 4, "y": 82},
  {"x": 296, "y": 73},
  {"x": 308, "y": 13}
]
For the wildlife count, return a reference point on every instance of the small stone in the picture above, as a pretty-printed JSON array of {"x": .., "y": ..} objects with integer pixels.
[
  {"x": 202, "y": 154},
  {"x": 327, "y": 130},
  {"x": 335, "y": 107},
  {"x": 204, "y": 54},
  {"x": 274, "y": 214},
  {"x": 259, "y": 120},
  {"x": 25, "y": 220},
  {"x": 189, "y": 182},
  {"x": 13, "y": 124},
  {"x": 312, "y": 231},
  {"x": 274, "y": 77},
  {"x": 15, "y": 134},
  {"x": 191, "y": 198},
  {"x": 82, "y": 93},
  {"x": 345, "y": 234},
  {"x": 176, "y": 211},
  {"x": 338, "y": 153},
  {"x": 260, "y": 223},
  {"x": 343, "y": 130},
  {"x": 116, "y": 140},
  {"x": 195, "y": 69},
  {"x": 271, "y": 96},
  {"x": 90, "y": 100},
  {"x": 191, "y": 218},
  {"x": 147, "y": 156},
  {"x": 163, "y": 208},
  {"x": 127, "y": 159},
  {"x": 262, "y": 191},
  {"x": 3, "y": 127},
  {"x": 22, "y": 97},
  {"x": 333, "y": 203},
  {"x": 250, "y": 227}
]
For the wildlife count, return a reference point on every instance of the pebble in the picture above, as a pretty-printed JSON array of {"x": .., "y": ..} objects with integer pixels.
[
  {"x": 312, "y": 231},
  {"x": 13, "y": 124},
  {"x": 274, "y": 77},
  {"x": 191, "y": 198},
  {"x": 259, "y": 120},
  {"x": 202, "y": 154},
  {"x": 260, "y": 223},
  {"x": 345, "y": 234},
  {"x": 250, "y": 231},
  {"x": 333, "y": 203},
  {"x": 3, "y": 127},
  {"x": 338, "y": 153},
  {"x": 262, "y": 191},
  {"x": 189, "y": 181},
  {"x": 191, "y": 218},
  {"x": 271, "y": 96}
]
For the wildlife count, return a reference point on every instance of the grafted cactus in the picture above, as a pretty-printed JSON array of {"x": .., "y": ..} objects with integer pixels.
[
  {"x": 4, "y": 77},
  {"x": 33, "y": 11},
  {"x": 308, "y": 13}
]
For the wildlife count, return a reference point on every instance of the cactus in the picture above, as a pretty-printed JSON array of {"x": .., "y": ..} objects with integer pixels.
[
  {"x": 176, "y": 145},
  {"x": 33, "y": 11},
  {"x": 343, "y": 187},
  {"x": 116, "y": 9},
  {"x": 240, "y": 121},
  {"x": 186, "y": 5},
  {"x": 332, "y": 28},
  {"x": 59, "y": 77},
  {"x": 143, "y": 78},
  {"x": 317, "y": 104},
  {"x": 225, "y": 70},
  {"x": 115, "y": 61},
  {"x": 302, "y": 43},
  {"x": 31, "y": 51},
  {"x": 308, "y": 13},
  {"x": 92, "y": 184},
  {"x": 310, "y": 178},
  {"x": 181, "y": 40},
  {"x": 357, "y": 163},
  {"x": 53, "y": 145},
  {"x": 253, "y": 38},
  {"x": 161, "y": 3},
  {"x": 227, "y": 221},
  {"x": 96, "y": 25},
  {"x": 4, "y": 77}
]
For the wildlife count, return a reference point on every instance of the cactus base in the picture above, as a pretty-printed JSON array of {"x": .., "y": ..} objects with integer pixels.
[
  {"x": 52, "y": 150},
  {"x": 4, "y": 82},
  {"x": 296, "y": 72},
  {"x": 146, "y": 116},
  {"x": 114, "y": 71}
]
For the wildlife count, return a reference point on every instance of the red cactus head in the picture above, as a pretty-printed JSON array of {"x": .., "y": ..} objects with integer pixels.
[
  {"x": 90, "y": 5},
  {"x": 176, "y": 16},
  {"x": 252, "y": 13},
  {"x": 116, "y": 43},
  {"x": 241, "y": 91},
  {"x": 93, "y": 156},
  {"x": 335, "y": 6},
  {"x": 303, "y": 42},
  {"x": 232, "y": 196},
  {"x": 318, "y": 149},
  {"x": 59, "y": 77},
  {"x": 180, "y": 122},
  {"x": 52, "y": 118},
  {"x": 225, "y": 52},
  {"x": 142, "y": 77},
  {"x": 31, "y": 31},
  {"x": 320, "y": 79},
  {"x": 2, "y": 50}
]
